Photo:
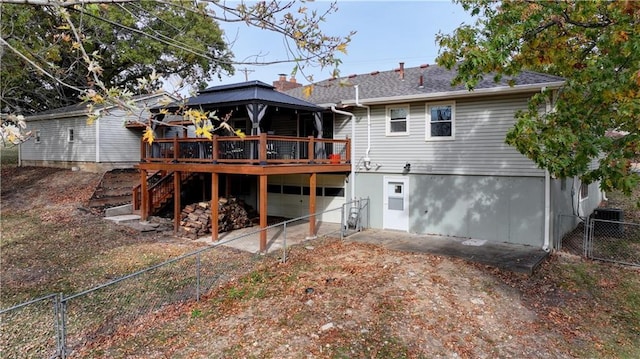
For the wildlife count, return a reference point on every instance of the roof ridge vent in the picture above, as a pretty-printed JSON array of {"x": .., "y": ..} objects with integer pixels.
[
  {"x": 374, "y": 73},
  {"x": 424, "y": 66},
  {"x": 352, "y": 76}
]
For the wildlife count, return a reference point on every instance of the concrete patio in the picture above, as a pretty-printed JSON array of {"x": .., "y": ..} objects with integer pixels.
[{"x": 512, "y": 257}]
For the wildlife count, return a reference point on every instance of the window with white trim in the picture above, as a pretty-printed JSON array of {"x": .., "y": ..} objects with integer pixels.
[
  {"x": 440, "y": 121},
  {"x": 37, "y": 136},
  {"x": 584, "y": 191},
  {"x": 397, "y": 120},
  {"x": 70, "y": 135}
]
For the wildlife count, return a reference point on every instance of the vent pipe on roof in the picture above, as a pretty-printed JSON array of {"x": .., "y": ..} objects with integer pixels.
[{"x": 402, "y": 71}]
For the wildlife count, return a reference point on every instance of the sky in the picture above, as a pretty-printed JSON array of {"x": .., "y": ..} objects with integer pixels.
[{"x": 388, "y": 32}]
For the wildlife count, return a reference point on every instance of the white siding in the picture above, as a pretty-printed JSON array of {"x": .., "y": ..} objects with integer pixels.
[
  {"x": 54, "y": 145},
  {"x": 118, "y": 143},
  {"x": 478, "y": 148}
]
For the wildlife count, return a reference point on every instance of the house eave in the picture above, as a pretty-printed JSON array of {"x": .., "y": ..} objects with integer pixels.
[
  {"x": 448, "y": 95},
  {"x": 83, "y": 112}
]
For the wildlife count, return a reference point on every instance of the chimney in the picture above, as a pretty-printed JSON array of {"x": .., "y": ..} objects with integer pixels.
[
  {"x": 283, "y": 85},
  {"x": 421, "y": 83},
  {"x": 402, "y": 71}
]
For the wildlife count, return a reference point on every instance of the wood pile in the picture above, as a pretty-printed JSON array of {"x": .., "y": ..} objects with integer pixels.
[{"x": 195, "y": 219}]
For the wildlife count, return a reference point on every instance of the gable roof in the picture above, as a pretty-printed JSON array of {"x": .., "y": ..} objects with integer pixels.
[
  {"x": 81, "y": 109},
  {"x": 405, "y": 84},
  {"x": 245, "y": 93}
]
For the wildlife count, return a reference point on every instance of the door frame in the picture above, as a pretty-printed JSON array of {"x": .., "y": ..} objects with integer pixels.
[{"x": 402, "y": 223}]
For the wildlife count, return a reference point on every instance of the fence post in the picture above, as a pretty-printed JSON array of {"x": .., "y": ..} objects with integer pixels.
[
  {"x": 284, "y": 244},
  {"x": 62, "y": 325},
  {"x": 342, "y": 229},
  {"x": 198, "y": 277},
  {"x": 587, "y": 237}
]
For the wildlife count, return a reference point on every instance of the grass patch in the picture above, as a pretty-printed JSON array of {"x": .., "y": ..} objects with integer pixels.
[
  {"x": 605, "y": 305},
  {"x": 9, "y": 155}
]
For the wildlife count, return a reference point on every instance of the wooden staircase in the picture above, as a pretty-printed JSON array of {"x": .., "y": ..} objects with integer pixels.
[
  {"x": 160, "y": 187},
  {"x": 114, "y": 189}
]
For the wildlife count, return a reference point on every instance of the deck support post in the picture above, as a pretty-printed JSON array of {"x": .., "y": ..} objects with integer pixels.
[
  {"x": 263, "y": 213},
  {"x": 177, "y": 178},
  {"x": 144, "y": 196},
  {"x": 214, "y": 206},
  {"x": 313, "y": 180}
]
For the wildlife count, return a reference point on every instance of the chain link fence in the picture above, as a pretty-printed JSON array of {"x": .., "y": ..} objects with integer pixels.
[
  {"x": 614, "y": 241},
  {"x": 600, "y": 239},
  {"x": 31, "y": 329},
  {"x": 58, "y": 326},
  {"x": 570, "y": 234}
]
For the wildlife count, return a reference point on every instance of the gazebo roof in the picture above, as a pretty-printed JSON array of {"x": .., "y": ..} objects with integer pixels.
[{"x": 243, "y": 93}]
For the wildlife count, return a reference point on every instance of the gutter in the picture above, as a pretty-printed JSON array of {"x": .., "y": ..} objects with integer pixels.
[
  {"x": 367, "y": 159},
  {"x": 547, "y": 194},
  {"x": 82, "y": 112},
  {"x": 97, "y": 123},
  {"x": 353, "y": 147},
  {"x": 448, "y": 95}
]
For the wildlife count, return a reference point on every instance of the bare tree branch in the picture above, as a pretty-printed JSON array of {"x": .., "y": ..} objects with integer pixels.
[{"x": 43, "y": 71}]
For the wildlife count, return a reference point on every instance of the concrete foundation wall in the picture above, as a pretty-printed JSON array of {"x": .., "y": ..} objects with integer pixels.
[
  {"x": 493, "y": 208},
  {"x": 83, "y": 166}
]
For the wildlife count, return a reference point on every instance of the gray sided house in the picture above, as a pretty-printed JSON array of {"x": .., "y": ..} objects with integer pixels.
[
  {"x": 63, "y": 138},
  {"x": 432, "y": 158}
]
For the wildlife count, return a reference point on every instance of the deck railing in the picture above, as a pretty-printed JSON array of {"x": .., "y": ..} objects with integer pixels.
[{"x": 263, "y": 149}]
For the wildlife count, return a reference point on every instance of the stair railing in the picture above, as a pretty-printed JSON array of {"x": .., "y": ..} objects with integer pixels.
[{"x": 159, "y": 192}]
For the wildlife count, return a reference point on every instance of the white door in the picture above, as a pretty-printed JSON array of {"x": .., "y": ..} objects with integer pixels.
[{"x": 396, "y": 203}]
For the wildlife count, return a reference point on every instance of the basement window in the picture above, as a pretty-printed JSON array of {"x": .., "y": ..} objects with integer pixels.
[
  {"x": 397, "y": 120},
  {"x": 440, "y": 121}
]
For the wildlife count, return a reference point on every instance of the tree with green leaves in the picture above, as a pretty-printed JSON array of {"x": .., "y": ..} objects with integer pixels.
[
  {"x": 55, "y": 52},
  {"x": 128, "y": 42},
  {"x": 595, "y": 46}
]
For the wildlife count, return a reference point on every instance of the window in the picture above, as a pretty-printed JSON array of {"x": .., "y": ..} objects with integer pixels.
[
  {"x": 37, "y": 136},
  {"x": 291, "y": 189},
  {"x": 70, "y": 136},
  {"x": 334, "y": 192},
  {"x": 584, "y": 191},
  {"x": 440, "y": 121},
  {"x": 397, "y": 120}
]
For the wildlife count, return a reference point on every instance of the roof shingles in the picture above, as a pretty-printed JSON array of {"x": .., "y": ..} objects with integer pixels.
[{"x": 389, "y": 84}]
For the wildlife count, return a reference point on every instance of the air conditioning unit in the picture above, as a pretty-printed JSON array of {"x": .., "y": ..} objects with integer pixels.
[{"x": 614, "y": 228}]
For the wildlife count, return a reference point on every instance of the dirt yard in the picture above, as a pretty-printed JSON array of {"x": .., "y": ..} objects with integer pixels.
[{"x": 332, "y": 299}]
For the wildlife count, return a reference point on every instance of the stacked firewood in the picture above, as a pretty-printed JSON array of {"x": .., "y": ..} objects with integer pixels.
[{"x": 195, "y": 220}]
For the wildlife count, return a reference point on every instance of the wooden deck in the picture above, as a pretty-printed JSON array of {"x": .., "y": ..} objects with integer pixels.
[
  {"x": 261, "y": 156},
  {"x": 253, "y": 155}
]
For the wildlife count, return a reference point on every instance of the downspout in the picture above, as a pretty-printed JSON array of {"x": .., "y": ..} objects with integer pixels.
[
  {"x": 547, "y": 196},
  {"x": 353, "y": 147},
  {"x": 97, "y": 123},
  {"x": 367, "y": 159}
]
